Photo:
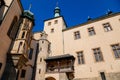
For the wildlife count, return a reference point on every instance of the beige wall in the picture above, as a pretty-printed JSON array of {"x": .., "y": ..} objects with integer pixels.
[
  {"x": 86, "y": 43},
  {"x": 14, "y": 10},
  {"x": 63, "y": 42},
  {"x": 57, "y": 36}
]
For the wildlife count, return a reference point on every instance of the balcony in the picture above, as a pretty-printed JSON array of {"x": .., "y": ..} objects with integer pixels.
[{"x": 60, "y": 64}]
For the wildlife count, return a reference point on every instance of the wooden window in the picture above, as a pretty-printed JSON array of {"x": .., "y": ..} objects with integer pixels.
[
  {"x": 23, "y": 73},
  {"x": 91, "y": 31},
  {"x": 52, "y": 30},
  {"x": 107, "y": 27},
  {"x": 80, "y": 57},
  {"x": 98, "y": 54},
  {"x": 56, "y": 21},
  {"x": 116, "y": 50},
  {"x": 0, "y": 66},
  {"x": 76, "y": 35},
  {"x": 102, "y": 74},
  {"x": 49, "y": 23},
  {"x": 31, "y": 53}
]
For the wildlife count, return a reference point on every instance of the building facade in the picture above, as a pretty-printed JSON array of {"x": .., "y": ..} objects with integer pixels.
[
  {"x": 89, "y": 51},
  {"x": 15, "y": 41},
  {"x": 7, "y": 28}
]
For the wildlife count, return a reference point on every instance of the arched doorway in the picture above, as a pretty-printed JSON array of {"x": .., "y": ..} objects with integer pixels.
[{"x": 50, "y": 78}]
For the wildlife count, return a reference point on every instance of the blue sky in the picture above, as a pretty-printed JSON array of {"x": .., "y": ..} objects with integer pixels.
[{"x": 74, "y": 11}]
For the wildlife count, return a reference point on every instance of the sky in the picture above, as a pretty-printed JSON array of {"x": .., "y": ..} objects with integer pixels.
[{"x": 74, "y": 11}]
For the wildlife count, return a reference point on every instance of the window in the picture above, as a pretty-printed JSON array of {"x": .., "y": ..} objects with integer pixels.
[
  {"x": 12, "y": 32},
  {"x": 102, "y": 74},
  {"x": 37, "y": 48},
  {"x": 52, "y": 30},
  {"x": 77, "y": 35},
  {"x": 20, "y": 45},
  {"x": 42, "y": 42},
  {"x": 107, "y": 27},
  {"x": 56, "y": 21},
  {"x": 30, "y": 54},
  {"x": 39, "y": 71},
  {"x": 0, "y": 66},
  {"x": 116, "y": 50},
  {"x": 40, "y": 49},
  {"x": 98, "y": 54},
  {"x": 49, "y": 23},
  {"x": 80, "y": 57},
  {"x": 91, "y": 31},
  {"x": 23, "y": 73},
  {"x": 23, "y": 34},
  {"x": 40, "y": 59},
  {"x": 26, "y": 24}
]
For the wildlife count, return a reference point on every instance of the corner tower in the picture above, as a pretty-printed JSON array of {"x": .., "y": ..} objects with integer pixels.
[
  {"x": 43, "y": 53},
  {"x": 53, "y": 27}
]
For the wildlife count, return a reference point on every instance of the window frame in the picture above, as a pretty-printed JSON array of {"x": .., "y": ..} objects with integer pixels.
[
  {"x": 52, "y": 30},
  {"x": 102, "y": 77},
  {"x": 31, "y": 53},
  {"x": 77, "y": 35},
  {"x": 23, "y": 34},
  {"x": 56, "y": 22},
  {"x": 99, "y": 54},
  {"x": 80, "y": 57},
  {"x": 49, "y": 23},
  {"x": 91, "y": 31},
  {"x": 107, "y": 27},
  {"x": 115, "y": 49}
]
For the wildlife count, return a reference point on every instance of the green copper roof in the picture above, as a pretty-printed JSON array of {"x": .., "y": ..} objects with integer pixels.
[{"x": 28, "y": 14}]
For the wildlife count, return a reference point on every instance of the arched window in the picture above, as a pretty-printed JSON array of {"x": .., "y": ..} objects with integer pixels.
[{"x": 13, "y": 29}]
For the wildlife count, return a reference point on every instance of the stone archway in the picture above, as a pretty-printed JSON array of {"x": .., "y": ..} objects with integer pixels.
[{"x": 50, "y": 78}]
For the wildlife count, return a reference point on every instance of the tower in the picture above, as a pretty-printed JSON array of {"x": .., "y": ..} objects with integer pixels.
[
  {"x": 53, "y": 27},
  {"x": 23, "y": 39},
  {"x": 44, "y": 49}
]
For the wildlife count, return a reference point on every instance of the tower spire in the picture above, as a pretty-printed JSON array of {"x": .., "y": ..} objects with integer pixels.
[
  {"x": 30, "y": 7},
  {"x": 57, "y": 10}
]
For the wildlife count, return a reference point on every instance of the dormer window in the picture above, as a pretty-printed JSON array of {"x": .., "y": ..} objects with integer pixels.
[{"x": 49, "y": 23}]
